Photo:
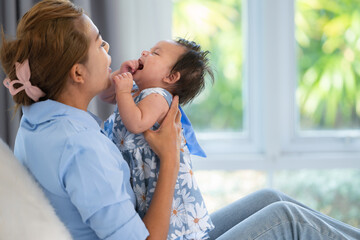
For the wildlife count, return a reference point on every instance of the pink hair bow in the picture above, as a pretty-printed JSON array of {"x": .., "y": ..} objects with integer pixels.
[{"x": 23, "y": 74}]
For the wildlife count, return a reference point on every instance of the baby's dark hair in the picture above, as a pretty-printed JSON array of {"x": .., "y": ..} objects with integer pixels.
[{"x": 193, "y": 65}]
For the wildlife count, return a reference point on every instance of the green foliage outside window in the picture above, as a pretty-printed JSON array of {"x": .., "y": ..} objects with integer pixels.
[
  {"x": 217, "y": 27},
  {"x": 328, "y": 37}
]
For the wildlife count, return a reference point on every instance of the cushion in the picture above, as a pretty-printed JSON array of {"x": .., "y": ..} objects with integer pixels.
[{"x": 25, "y": 212}]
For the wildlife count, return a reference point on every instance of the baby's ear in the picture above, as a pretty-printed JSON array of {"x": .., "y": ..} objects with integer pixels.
[{"x": 172, "y": 78}]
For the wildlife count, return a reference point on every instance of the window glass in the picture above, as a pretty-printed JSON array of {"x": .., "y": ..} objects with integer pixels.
[
  {"x": 328, "y": 57},
  {"x": 216, "y": 26},
  {"x": 220, "y": 188}
]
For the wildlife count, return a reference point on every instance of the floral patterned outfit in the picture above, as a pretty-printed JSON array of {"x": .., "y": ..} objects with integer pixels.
[{"x": 189, "y": 216}]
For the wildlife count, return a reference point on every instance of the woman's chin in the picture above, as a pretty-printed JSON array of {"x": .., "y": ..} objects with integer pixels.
[{"x": 109, "y": 82}]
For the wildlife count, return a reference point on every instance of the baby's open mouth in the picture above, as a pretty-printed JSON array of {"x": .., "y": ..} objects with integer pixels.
[{"x": 141, "y": 65}]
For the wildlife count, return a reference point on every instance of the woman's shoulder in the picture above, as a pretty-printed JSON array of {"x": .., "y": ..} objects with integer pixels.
[{"x": 93, "y": 148}]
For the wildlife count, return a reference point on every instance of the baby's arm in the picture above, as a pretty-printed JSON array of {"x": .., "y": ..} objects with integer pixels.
[{"x": 141, "y": 117}]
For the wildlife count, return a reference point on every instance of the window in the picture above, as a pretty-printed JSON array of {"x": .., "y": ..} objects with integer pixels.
[
  {"x": 259, "y": 112},
  {"x": 326, "y": 113},
  {"x": 216, "y": 26},
  {"x": 221, "y": 114},
  {"x": 327, "y": 36},
  {"x": 299, "y": 73}
]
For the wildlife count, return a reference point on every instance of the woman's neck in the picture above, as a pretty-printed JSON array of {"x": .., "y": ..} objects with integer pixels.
[{"x": 74, "y": 99}]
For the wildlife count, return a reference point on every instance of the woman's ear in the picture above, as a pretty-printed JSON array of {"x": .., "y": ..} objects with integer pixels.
[
  {"x": 77, "y": 73},
  {"x": 172, "y": 78}
]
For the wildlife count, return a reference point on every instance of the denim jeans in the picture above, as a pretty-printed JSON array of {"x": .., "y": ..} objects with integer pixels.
[{"x": 268, "y": 214}]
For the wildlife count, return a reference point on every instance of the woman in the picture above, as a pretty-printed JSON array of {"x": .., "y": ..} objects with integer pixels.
[
  {"x": 63, "y": 62},
  {"x": 55, "y": 66}
]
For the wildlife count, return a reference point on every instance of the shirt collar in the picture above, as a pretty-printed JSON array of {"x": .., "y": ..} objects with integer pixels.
[{"x": 43, "y": 111}]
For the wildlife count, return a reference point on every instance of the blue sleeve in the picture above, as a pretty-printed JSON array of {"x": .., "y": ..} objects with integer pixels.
[{"x": 97, "y": 180}]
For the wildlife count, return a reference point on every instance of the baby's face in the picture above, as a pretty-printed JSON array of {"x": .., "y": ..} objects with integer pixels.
[{"x": 156, "y": 64}]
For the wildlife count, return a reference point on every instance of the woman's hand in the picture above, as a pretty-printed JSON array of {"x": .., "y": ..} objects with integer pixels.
[{"x": 165, "y": 141}]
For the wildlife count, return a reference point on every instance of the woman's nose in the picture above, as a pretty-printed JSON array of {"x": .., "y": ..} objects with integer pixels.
[{"x": 145, "y": 53}]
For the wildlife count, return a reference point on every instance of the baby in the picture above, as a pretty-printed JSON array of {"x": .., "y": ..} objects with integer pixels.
[{"x": 144, "y": 91}]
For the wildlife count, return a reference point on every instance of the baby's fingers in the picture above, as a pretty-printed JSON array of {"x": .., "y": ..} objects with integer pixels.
[
  {"x": 134, "y": 66},
  {"x": 123, "y": 76},
  {"x": 126, "y": 75}
]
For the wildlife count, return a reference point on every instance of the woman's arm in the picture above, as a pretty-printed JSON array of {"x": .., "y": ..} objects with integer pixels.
[
  {"x": 138, "y": 118},
  {"x": 165, "y": 142}
]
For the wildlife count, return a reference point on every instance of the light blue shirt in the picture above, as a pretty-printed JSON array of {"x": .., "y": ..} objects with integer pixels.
[{"x": 80, "y": 170}]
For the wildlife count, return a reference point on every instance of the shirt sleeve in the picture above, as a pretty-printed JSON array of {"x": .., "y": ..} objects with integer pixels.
[{"x": 96, "y": 179}]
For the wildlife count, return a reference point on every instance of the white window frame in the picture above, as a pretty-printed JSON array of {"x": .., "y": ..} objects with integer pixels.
[
  {"x": 271, "y": 140},
  {"x": 314, "y": 149}
]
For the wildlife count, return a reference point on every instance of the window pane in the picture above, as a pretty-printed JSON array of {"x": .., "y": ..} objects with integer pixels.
[
  {"x": 220, "y": 188},
  {"x": 328, "y": 39},
  {"x": 335, "y": 193},
  {"x": 216, "y": 26}
]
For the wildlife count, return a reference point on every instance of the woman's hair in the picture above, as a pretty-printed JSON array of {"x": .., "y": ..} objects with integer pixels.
[
  {"x": 193, "y": 65},
  {"x": 51, "y": 35}
]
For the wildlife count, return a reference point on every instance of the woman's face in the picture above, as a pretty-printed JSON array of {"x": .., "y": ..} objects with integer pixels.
[{"x": 98, "y": 69}]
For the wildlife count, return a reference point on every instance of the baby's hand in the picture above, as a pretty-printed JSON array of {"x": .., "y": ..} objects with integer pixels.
[
  {"x": 129, "y": 66},
  {"x": 123, "y": 82}
]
